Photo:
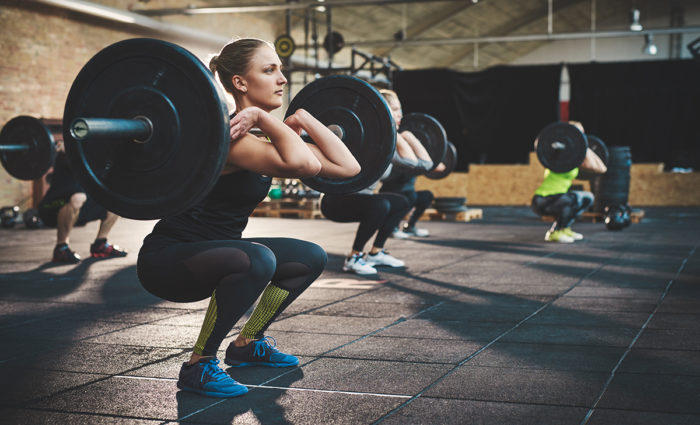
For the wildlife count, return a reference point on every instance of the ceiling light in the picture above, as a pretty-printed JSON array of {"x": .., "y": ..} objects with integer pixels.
[
  {"x": 649, "y": 46},
  {"x": 634, "y": 20}
]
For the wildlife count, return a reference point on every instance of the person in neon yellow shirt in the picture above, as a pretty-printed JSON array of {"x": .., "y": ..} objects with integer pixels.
[{"x": 553, "y": 197}]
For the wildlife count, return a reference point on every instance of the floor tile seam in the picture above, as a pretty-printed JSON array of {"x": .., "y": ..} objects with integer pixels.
[
  {"x": 306, "y": 363},
  {"x": 634, "y": 340},
  {"x": 76, "y": 412},
  {"x": 397, "y": 361},
  {"x": 104, "y": 377},
  {"x": 511, "y": 402},
  {"x": 327, "y": 304},
  {"x": 361, "y": 338},
  {"x": 502, "y": 335},
  {"x": 460, "y": 260}
]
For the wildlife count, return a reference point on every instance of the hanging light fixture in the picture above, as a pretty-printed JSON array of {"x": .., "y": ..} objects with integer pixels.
[
  {"x": 634, "y": 20},
  {"x": 649, "y": 46}
]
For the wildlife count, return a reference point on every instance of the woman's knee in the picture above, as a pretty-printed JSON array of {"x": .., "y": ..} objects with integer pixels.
[{"x": 262, "y": 262}]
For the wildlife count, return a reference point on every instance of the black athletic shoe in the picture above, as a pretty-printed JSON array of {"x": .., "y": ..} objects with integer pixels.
[
  {"x": 261, "y": 352},
  {"x": 63, "y": 254},
  {"x": 103, "y": 249}
]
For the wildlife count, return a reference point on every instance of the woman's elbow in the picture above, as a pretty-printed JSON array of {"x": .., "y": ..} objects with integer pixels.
[
  {"x": 354, "y": 169},
  {"x": 309, "y": 168}
]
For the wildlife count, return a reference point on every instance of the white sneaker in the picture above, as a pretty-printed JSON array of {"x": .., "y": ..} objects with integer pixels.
[
  {"x": 399, "y": 234},
  {"x": 382, "y": 258},
  {"x": 414, "y": 231},
  {"x": 357, "y": 264}
]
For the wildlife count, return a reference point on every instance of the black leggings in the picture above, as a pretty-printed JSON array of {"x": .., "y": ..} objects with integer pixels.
[
  {"x": 419, "y": 201},
  {"x": 233, "y": 272},
  {"x": 379, "y": 213},
  {"x": 565, "y": 207}
]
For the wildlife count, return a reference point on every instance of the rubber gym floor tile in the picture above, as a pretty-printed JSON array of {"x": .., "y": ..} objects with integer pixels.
[
  {"x": 367, "y": 376},
  {"x": 613, "y": 292},
  {"x": 667, "y": 393},
  {"x": 128, "y": 397},
  {"x": 675, "y": 321},
  {"x": 28, "y": 385},
  {"x": 560, "y": 316},
  {"x": 645, "y": 417},
  {"x": 332, "y": 325},
  {"x": 94, "y": 358},
  {"x": 455, "y": 329},
  {"x": 27, "y": 416},
  {"x": 61, "y": 330},
  {"x": 369, "y": 309},
  {"x": 629, "y": 305},
  {"x": 670, "y": 339},
  {"x": 671, "y": 362},
  {"x": 549, "y": 356},
  {"x": 428, "y": 410},
  {"x": 408, "y": 350},
  {"x": 284, "y": 406},
  {"x": 572, "y": 335},
  {"x": 478, "y": 313},
  {"x": 151, "y": 336},
  {"x": 553, "y": 387}
]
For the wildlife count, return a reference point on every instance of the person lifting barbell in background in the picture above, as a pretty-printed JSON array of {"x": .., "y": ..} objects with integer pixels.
[
  {"x": 399, "y": 181},
  {"x": 201, "y": 254},
  {"x": 553, "y": 196},
  {"x": 378, "y": 214},
  {"x": 65, "y": 205}
]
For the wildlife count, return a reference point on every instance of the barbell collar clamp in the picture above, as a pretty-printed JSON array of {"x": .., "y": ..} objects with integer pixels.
[{"x": 139, "y": 128}]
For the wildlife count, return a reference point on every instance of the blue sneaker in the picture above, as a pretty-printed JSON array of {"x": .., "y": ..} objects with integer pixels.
[
  {"x": 206, "y": 377},
  {"x": 259, "y": 353}
]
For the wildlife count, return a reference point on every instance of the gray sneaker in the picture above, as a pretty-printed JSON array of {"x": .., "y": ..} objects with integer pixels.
[
  {"x": 382, "y": 258},
  {"x": 206, "y": 377}
]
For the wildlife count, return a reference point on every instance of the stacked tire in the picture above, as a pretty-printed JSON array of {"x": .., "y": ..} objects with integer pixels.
[
  {"x": 450, "y": 205},
  {"x": 611, "y": 189}
]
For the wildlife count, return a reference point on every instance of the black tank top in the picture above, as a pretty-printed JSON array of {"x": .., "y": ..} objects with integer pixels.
[{"x": 224, "y": 212}]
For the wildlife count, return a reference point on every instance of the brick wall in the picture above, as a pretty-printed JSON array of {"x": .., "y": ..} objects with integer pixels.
[{"x": 43, "y": 48}]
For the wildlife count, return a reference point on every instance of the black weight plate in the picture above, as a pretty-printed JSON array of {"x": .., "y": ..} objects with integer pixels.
[
  {"x": 598, "y": 147},
  {"x": 365, "y": 118},
  {"x": 450, "y": 161},
  {"x": 430, "y": 133},
  {"x": 182, "y": 160},
  {"x": 35, "y": 161},
  {"x": 561, "y": 147}
]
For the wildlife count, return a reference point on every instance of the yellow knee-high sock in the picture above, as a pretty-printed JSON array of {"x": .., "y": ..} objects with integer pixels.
[
  {"x": 207, "y": 326},
  {"x": 271, "y": 299}
]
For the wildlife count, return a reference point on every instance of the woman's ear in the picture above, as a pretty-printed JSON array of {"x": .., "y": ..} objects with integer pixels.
[{"x": 239, "y": 83}]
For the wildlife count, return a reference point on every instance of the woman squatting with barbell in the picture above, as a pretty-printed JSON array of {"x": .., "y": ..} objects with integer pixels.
[{"x": 201, "y": 254}]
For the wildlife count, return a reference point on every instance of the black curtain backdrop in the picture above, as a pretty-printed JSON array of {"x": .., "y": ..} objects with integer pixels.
[
  {"x": 491, "y": 116},
  {"x": 651, "y": 106}
]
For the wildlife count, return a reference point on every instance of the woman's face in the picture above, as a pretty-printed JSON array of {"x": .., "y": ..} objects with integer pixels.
[
  {"x": 264, "y": 78},
  {"x": 396, "y": 111}
]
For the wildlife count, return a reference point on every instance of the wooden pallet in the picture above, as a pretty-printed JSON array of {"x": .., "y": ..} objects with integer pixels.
[
  {"x": 289, "y": 208},
  {"x": 596, "y": 217},
  {"x": 464, "y": 216}
]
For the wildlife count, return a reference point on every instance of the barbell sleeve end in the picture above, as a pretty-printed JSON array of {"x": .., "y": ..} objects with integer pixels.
[{"x": 139, "y": 129}]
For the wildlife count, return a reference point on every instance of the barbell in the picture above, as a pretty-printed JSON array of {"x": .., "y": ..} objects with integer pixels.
[
  {"x": 147, "y": 128},
  {"x": 28, "y": 146},
  {"x": 561, "y": 147}
]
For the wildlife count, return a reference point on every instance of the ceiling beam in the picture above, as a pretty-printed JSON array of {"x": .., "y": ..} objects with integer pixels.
[
  {"x": 430, "y": 21},
  {"x": 270, "y": 7},
  {"x": 509, "y": 28}
]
